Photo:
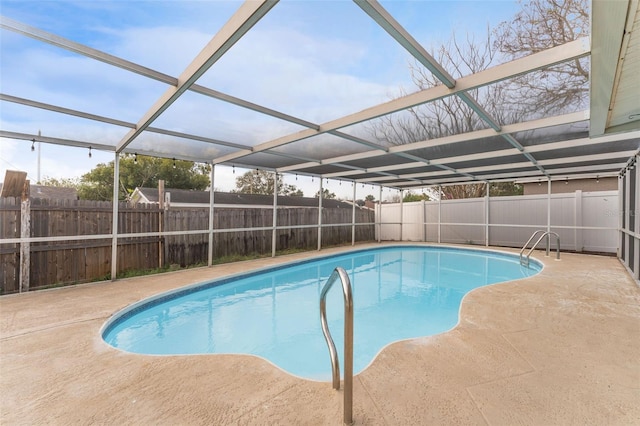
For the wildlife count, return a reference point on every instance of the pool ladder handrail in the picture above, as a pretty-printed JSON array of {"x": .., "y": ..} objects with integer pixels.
[
  {"x": 525, "y": 260},
  {"x": 341, "y": 274}
]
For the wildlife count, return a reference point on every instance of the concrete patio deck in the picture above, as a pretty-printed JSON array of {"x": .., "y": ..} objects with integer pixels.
[{"x": 560, "y": 348}]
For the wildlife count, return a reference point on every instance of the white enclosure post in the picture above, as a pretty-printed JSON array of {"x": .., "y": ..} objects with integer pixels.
[
  {"x": 401, "y": 213},
  {"x": 486, "y": 215},
  {"x": 275, "y": 214},
  {"x": 627, "y": 237},
  {"x": 424, "y": 221},
  {"x": 621, "y": 235},
  {"x": 379, "y": 215},
  {"x": 635, "y": 238},
  {"x": 211, "y": 216},
  {"x": 548, "y": 213},
  {"x": 353, "y": 217},
  {"x": 114, "y": 220},
  {"x": 439, "y": 213},
  {"x": 161, "y": 218},
  {"x": 577, "y": 222},
  {"x": 320, "y": 216}
]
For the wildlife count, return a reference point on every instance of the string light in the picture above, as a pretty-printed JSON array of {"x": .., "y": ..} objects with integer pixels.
[
  {"x": 174, "y": 163},
  {"x": 597, "y": 179},
  {"x": 296, "y": 177},
  {"x": 89, "y": 152},
  {"x": 135, "y": 158},
  {"x": 33, "y": 144},
  {"x": 566, "y": 182},
  {"x": 233, "y": 167}
]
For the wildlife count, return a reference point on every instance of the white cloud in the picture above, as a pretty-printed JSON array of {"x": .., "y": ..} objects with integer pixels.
[
  {"x": 56, "y": 161},
  {"x": 317, "y": 77}
]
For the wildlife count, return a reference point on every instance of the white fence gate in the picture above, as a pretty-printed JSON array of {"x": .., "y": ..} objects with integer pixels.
[{"x": 585, "y": 221}]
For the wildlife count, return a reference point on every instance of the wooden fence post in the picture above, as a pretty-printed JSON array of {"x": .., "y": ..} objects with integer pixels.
[
  {"x": 25, "y": 232},
  {"x": 160, "y": 219}
]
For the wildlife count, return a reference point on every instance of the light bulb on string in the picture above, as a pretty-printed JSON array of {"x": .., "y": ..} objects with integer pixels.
[
  {"x": 89, "y": 152},
  {"x": 33, "y": 144},
  {"x": 135, "y": 158},
  {"x": 174, "y": 163}
]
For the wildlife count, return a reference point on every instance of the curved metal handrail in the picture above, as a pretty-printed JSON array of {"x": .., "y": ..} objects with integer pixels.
[
  {"x": 340, "y": 273},
  {"x": 544, "y": 234}
]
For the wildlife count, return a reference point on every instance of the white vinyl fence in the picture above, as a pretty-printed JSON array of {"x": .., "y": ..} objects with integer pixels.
[{"x": 585, "y": 221}]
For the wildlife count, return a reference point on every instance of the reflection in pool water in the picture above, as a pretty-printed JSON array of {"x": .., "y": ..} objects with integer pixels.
[{"x": 398, "y": 292}]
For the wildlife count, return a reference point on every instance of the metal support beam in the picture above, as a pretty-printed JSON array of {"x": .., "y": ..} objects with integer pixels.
[
  {"x": 486, "y": 213},
  {"x": 439, "y": 214},
  {"x": 320, "y": 216},
  {"x": 391, "y": 26},
  {"x": 114, "y": 219},
  {"x": 401, "y": 213},
  {"x": 40, "y": 35},
  {"x": 572, "y": 50},
  {"x": 549, "y": 205},
  {"x": 605, "y": 59},
  {"x": 446, "y": 140},
  {"x": 379, "y": 218},
  {"x": 245, "y": 17},
  {"x": 353, "y": 217},
  {"x": 275, "y": 215},
  {"x": 212, "y": 177}
]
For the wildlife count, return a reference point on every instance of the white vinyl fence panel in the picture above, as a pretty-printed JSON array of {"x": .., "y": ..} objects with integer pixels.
[{"x": 585, "y": 221}]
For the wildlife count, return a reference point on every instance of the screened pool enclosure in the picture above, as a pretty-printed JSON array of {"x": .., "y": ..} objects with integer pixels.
[{"x": 304, "y": 89}]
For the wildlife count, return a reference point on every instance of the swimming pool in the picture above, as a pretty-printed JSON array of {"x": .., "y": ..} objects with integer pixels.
[{"x": 399, "y": 292}]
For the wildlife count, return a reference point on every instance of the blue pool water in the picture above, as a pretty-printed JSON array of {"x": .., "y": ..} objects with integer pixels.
[{"x": 398, "y": 293}]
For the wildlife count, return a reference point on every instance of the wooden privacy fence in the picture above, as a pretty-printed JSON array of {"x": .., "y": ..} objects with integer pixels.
[
  {"x": 75, "y": 260},
  {"x": 297, "y": 229}
]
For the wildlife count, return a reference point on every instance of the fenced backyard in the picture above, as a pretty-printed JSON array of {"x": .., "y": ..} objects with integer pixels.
[
  {"x": 78, "y": 246},
  {"x": 585, "y": 221},
  {"x": 79, "y": 237}
]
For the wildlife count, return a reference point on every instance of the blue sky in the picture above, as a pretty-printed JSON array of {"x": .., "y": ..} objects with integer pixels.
[{"x": 317, "y": 60}]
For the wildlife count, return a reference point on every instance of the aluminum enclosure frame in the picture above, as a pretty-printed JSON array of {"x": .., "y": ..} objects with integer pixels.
[{"x": 612, "y": 154}]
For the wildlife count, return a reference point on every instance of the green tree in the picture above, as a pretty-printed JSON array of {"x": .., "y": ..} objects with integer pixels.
[
  {"x": 142, "y": 171},
  {"x": 326, "y": 195},
  {"x": 261, "y": 182},
  {"x": 501, "y": 189},
  {"x": 415, "y": 197},
  {"x": 61, "y": 182}
]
